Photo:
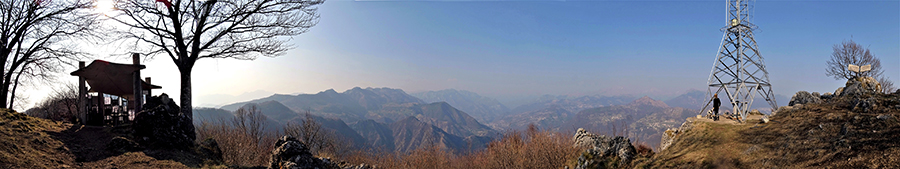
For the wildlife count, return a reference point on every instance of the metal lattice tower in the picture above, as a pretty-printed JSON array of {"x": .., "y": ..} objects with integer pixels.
[{"x": 739, "y": 70}]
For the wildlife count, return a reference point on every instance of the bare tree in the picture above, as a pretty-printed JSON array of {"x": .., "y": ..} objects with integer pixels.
[
  {"x": 849, "y": 52},
  {"x": 188, "y": 30},
  {"x": 60, "y": 106},
  {"x": 887, "y": 86},
  {"x": 251, "y": 121},
  {"x": 34, "y": 35},
  {"x": 318, "y": 139}
]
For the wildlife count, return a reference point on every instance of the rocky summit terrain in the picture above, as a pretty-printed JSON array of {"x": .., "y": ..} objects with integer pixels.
[{"x": 856, "y": 128}]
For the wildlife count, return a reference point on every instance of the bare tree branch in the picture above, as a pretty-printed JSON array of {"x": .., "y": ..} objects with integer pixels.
[
  {"x": 189, "y": 30},
  {"x": 35, "y": 39}
]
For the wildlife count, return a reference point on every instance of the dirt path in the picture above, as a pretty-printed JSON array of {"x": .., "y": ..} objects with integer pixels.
[{"x": 724, "y": 120}]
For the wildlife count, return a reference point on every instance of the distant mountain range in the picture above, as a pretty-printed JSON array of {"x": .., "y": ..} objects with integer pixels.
[
  {"x": 389, "y": 119},
  {"x": 642, "y": 119},
  {"x": 482, "y": 108},
  {"x": 552, "y": 111},
  {"x": 392, "y": 120}
]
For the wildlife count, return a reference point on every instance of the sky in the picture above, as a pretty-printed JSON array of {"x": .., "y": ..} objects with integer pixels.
[{"x": 515, "y": 49}]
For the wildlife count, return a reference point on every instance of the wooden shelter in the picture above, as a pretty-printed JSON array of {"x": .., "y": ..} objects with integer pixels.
[{"x": 116, "y": 91}]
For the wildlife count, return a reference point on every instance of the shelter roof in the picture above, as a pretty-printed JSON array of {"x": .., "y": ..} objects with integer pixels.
[{"x": 112, "y": 78}]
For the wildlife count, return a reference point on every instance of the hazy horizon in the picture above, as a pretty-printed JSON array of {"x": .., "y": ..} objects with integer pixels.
[{"x": 510, "y": 49}]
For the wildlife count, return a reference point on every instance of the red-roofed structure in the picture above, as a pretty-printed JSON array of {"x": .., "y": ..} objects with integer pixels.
[{"x": 113, "y": 87}]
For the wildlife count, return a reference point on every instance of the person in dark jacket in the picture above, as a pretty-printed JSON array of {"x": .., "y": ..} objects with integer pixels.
[{"x": 716, "y": 104}]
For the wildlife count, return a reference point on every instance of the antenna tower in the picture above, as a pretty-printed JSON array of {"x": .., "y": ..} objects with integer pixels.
[{"x": 739, "y": 70}]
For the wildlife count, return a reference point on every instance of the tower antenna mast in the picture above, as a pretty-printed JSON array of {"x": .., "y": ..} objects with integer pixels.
[{"x": 739, "y": 70}]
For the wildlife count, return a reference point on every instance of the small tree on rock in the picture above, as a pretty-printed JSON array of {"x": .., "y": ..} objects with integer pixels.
[{"x": 850, "y": 52}]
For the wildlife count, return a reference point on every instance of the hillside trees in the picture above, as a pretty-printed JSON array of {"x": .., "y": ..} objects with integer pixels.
[
  {"x": 60, "y": 106},
  {"x": 188, "y": 30},
  {"x": 34, "y": 40}
]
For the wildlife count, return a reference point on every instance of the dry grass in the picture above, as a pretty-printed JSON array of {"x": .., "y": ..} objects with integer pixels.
[
  {"x": 243, "y": 140},
  {"x": 532, "y": 148}
]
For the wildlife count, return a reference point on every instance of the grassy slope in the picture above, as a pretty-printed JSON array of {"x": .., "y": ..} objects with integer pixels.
[
  {"x": 827, "y": 135},
  {"x": 28, "y": 142}
]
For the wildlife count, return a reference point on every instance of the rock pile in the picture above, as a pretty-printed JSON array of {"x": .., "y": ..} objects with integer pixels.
[
  {"x": 860, "y": 86},
  {"x": 603, "y": 151},
  {"x": 162, "y": 125}
]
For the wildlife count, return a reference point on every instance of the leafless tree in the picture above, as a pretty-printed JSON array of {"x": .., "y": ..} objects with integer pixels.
[
  {"x": 887, "y": 86},
  {"x": 251, "y": 121},
  {"x": 850, "y": 52},
  {"x": 188, "y": 30},
  {"x": 318, "y": 139},
  {"x": 35, "y": 38},
  {"x": 61, "y": 105}
]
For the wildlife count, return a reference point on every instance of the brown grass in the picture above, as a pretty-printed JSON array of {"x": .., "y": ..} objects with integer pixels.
[{"x": 532, "y": 148}]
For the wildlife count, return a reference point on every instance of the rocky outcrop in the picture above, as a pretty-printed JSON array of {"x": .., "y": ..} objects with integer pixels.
[
  {"x": 162, "y": 125},
  {"x": 668, "y": 136},
  {"x": 860, "y": 86},
  {"x": 803, "y": 97},
  {"x": 603, "y": 151},
  {"x": 290, "y": 153}
]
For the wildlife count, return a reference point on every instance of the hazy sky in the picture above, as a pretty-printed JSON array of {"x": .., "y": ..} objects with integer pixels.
[{"x": 517, "y": 48}]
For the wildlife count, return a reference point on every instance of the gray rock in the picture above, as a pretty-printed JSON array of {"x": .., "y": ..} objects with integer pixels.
[
  {"x": 803, "y": 97},
  {"x": 884, "y": 117},
  {"x": 290, "y": 153},
  {"x": 827, "y": 95},
  {"x": 861, "y": 86},
  {"x": 668, "y": 137},
  {"x": 162, "y": 125},
  {"x": 603, "y": 147}
]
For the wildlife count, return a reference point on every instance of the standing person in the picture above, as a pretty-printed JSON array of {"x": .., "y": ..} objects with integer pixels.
[{"x": 716, "y": 104}]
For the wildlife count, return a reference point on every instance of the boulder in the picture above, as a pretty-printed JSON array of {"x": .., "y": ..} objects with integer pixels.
[
  {"x": 803, "y": 97},
  {"x": 603, "y": 150},
  {"x": 860, "y": 86},
  {"x": 290, "y": 153},
  {"x": 162, "y": 125},
  {"x": 838, "y": 91}
]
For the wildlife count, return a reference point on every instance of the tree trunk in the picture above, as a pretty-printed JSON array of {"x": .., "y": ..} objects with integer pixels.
[
  {"x": 186, "y": 107},
  {"x": 4, "y": 91}
]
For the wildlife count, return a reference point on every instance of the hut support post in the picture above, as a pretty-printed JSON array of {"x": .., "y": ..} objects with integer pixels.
[
  {"x": 138, "y": 92},
  {"x": 82, "y": 92}
]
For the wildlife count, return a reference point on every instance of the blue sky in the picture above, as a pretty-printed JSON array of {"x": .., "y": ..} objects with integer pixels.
[{"x": 508, "y": 49}]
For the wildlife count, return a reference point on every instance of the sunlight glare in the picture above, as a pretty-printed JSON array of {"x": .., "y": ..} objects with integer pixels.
[{"x": 104, "y": 6}]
